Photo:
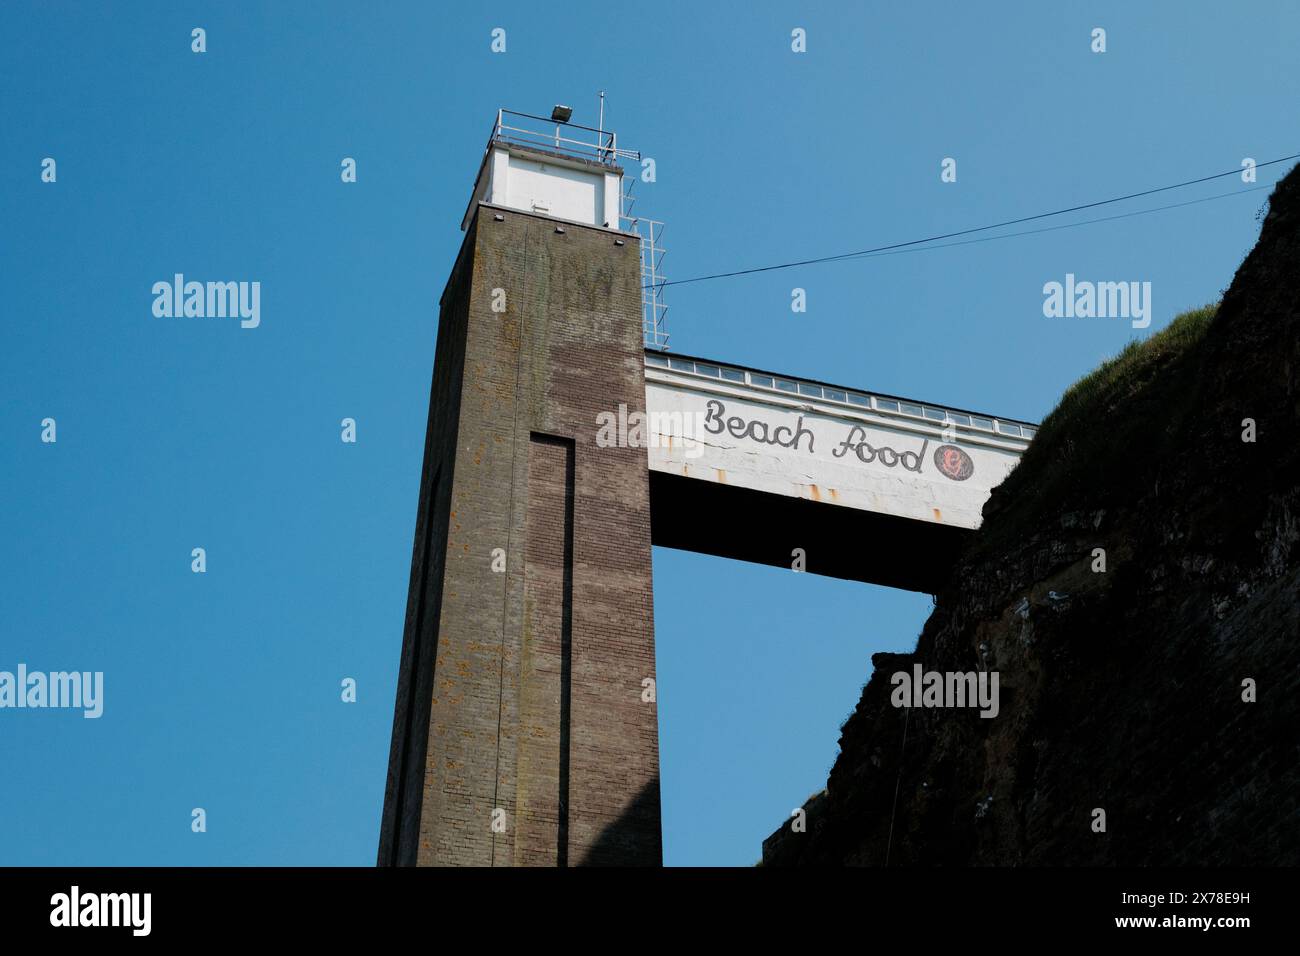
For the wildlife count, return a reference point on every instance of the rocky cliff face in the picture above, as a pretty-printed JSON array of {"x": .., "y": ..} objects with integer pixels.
[{"x": 1121, "y": 689}]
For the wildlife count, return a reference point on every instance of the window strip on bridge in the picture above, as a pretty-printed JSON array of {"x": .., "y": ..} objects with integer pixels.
[{"x": 936, "y": 413}]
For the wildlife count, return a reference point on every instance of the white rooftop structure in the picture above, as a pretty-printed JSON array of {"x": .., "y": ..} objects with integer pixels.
[
  {"x": 571, "y": 173},
  {"x": 553, "y": 168}
]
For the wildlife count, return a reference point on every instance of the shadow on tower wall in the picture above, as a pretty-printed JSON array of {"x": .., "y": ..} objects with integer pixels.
[{"x": 635, "y": 838}]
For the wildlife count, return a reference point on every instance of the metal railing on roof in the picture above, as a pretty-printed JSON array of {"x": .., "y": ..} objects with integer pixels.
[
  {"x": 538, "y": 132},
  {"x": 937, "y": 414}
]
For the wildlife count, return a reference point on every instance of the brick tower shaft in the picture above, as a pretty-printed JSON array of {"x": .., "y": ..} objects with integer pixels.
[{"x": 520, "y": 734}]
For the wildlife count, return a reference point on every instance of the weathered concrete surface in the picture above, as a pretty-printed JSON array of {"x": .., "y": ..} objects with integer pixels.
[
  {"x": 747, "y": 473},
  {"x": 801, "y": 447}
]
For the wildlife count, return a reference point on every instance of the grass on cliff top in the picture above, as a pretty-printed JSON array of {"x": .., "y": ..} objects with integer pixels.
[
  {"x": 1116, "y": 381},
  {"x": 1128, "y": 405}
]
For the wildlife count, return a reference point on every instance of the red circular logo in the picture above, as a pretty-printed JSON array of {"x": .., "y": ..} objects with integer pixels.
[{"x": 953, "y": 462}]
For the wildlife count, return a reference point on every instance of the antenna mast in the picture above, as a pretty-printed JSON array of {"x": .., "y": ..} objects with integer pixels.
[{"x": 600, "y": 126}]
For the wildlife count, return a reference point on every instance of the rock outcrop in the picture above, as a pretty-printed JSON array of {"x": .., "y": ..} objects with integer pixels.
[{"x": 1123, "y": 690}]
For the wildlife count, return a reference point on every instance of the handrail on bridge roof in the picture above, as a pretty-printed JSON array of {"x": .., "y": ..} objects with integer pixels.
[{"x": 811, "y": 388}]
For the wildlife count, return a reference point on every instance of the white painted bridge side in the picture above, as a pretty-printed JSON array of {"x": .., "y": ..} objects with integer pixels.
[{"x": 855, "y": 449}]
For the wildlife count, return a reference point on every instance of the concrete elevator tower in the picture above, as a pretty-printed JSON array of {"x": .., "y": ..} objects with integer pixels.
[{"x": 525, "y": 731}]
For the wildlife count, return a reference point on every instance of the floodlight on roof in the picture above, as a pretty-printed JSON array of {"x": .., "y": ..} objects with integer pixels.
[{"x": 562, "y": 114}]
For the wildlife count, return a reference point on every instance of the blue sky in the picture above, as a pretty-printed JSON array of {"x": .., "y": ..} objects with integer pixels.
[{"x": 222, "y": 689}]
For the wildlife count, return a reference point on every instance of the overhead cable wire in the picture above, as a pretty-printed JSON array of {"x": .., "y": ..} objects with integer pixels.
[{"x": 861, "y": 253}]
